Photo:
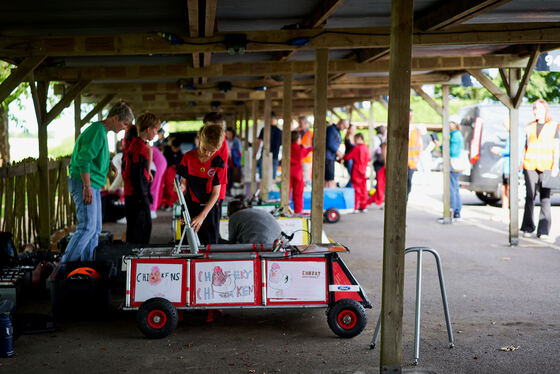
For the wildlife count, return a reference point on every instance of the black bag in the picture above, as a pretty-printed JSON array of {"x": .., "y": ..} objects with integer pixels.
[{"x": 8, "y": 253}]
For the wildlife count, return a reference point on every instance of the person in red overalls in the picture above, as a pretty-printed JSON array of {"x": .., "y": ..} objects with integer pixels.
[
  {"x": 297, "y": 184},
  {"x": 360, "y": 155}
]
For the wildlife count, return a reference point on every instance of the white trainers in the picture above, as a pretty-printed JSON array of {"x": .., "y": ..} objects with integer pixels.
[
  {"x": 527, "y": 234},
  {"x": 122, "y": 221},
  {"x": 153, "y": 214},
  {"x": 546, "y": 238}
]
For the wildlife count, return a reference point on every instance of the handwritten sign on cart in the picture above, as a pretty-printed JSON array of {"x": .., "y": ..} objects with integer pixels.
[
  {"x": 224, "y": 282},
  {"x": 158, "y": 280},
  {"x": 296, "y": 281}
]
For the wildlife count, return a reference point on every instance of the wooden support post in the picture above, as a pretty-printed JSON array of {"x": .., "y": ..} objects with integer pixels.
[
  {"x": 514, "y": 156},
  {"x": 39, "y": 94},
  {"x": 525, "y": 80},
  {"x": 266, "y": 165},
  {"x": 319, "y": 143},
  {"x": 395, "y": 198},
  {"x": 286, "y": 143},
  {"x": 77, "y": 116},
  {"x": 18, "y": 75},
  {"x": 490, "y": 86},
  {"x": 254, "y": 110},
  {"x": 445, "y": 155},
  {"x": 97, "y": 109}
]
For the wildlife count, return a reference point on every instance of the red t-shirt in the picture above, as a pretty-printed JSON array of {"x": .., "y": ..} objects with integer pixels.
[
  {"x": 135, "y": 168},
  {"x": 297, "y": 153},
  {"x": 202, "y": 176},
  {"x": 360, "y": 155}
]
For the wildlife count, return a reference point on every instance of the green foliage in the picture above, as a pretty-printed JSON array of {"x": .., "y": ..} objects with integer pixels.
[
  {"x": 5, "y": 70},
  {"x": 65, "y": 148},
  {"x": 544, "y": 85},
  {"x": 177, "y": 126}
]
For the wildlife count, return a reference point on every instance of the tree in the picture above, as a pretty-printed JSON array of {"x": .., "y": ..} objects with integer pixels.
[{"x": 5, "y": 70}]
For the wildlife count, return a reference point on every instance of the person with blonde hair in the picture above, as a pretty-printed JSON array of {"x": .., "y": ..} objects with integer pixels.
[
  {"x": 203, "y": 171},
  {"x": 540, "y": 157},
  {"x": 136, "y": 175}
]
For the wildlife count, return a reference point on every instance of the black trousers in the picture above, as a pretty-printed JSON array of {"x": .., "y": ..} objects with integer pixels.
[
  {"x": 409, "y": 181},
  {"x": 138, "y": 220},
  {"x": 533, "y": 184},
  {"x": 209, "y": 232}
]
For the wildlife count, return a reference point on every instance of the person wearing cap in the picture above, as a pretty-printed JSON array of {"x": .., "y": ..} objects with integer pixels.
[{"x": 456, "y": 144}]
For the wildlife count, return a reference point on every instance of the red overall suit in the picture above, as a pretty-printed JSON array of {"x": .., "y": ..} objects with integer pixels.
[
  {"x": 360, "y": 155},
  {"x": 379, "y": 196},
  {"x": 297, "y": 154}
]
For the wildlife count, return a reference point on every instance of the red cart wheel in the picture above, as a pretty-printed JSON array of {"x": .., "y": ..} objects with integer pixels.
[
  {"x": 157, "y": 318},
  {"x": 347, "y": 318},
  {"x": 332, "y": 215}
]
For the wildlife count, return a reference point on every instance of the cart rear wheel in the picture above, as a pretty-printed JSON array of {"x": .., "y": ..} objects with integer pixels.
[
  {"x": 157, "y": 318},
  {"x": 332, "y": 215},
  {"x": 347, "y": 318}
]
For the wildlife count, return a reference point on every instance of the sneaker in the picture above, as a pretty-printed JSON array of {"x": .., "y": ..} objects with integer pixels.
[
  {"x": 122, "y": 221},
  {"x": 153, "y": 214},
  {"x": 363, "y": 210},
  {"x": 546, "y": 238},
  {"x": 527, "y": 234},
  {"x": 444, "y": 220},
  {"x": 356, "y": 211}
]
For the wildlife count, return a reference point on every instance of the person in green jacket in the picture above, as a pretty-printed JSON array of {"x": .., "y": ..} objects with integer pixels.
[{"x": 88, "y": 174}]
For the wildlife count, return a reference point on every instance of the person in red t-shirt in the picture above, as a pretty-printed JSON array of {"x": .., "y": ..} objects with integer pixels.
[
  {"x": 203, "y": 171},
  {"x": 297, "y": 183},
  {"x": 136, "y": 175},
  {"x": 360, "y": 156}
]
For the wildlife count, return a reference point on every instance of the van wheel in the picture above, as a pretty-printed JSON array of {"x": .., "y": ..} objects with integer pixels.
[{"x": 489, "y": 198}]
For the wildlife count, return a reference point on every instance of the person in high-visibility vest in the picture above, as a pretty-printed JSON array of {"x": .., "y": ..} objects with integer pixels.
[
  {"x": 414, "y": 149},
  {"x": 307, "y": 141},
  {"x": 540, "y": 158}
]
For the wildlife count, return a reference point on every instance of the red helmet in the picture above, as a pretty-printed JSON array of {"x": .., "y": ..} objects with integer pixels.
[{"x": 84, "y": 272}]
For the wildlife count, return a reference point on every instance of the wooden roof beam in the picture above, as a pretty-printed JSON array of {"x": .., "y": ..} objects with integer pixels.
[
  {"x": 98, "y": 108},
  {"x": 427, "y": 98},
  {"x": 526, "y": 77},
  {"x": 446, "y": 13},
  {"x": 65, "y": 101},
  {"x": 18, "y": 75},
  {"x": 209, "y": 25},
  {"x": 490, "y": 86},
  {"x": 316, "y": 20},
  {"x": 270, "y": 67},
  {"x": 278, "y": 40},
  {"x": 192, "y": 11}
]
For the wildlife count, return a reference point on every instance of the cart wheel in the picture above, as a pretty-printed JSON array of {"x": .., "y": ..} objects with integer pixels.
[
  {"x": 157, "y": 318},
  {"x": 347, "y": 318},
  {"x": 332, "y": 215}
]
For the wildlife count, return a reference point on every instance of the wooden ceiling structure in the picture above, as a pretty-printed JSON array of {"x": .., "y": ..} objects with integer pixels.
[
  {"x": 172, "y": 57},
  {"x": 178, "y": 58}
]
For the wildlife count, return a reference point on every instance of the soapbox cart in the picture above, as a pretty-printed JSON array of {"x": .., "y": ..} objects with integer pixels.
[{"x": 161, "y": 281}]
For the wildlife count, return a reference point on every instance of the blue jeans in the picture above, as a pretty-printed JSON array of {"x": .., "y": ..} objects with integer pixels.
[
  {"x": 85, "y": 238},
  {"x": 454, "y": 197}
]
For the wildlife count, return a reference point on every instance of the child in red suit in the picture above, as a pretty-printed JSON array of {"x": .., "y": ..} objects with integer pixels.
[
  {"x": 297, "y": 154},
  {"x": 360, "y": 155}
]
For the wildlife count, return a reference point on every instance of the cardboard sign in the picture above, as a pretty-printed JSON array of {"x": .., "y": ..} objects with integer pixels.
[
  {"x": 296, "y": 281},
  {"x": 224, "y": 282},
  {"x": 158, "y": 280}
]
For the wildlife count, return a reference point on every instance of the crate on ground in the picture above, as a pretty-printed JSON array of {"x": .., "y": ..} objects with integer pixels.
[{"x": 81, "y": 293}]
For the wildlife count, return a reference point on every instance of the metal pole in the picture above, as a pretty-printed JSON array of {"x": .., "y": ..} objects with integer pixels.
[{"x": 417, "y": 310}]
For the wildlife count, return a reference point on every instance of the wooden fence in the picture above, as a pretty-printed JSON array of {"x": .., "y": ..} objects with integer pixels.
[{"x": 19, "y": 198}]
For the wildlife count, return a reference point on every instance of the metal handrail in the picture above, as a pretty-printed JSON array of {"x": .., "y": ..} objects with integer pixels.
[{"x": 419, "y": 251}]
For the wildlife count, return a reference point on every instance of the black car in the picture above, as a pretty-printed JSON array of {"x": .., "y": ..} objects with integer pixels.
[{"x": 483, "y": 128}]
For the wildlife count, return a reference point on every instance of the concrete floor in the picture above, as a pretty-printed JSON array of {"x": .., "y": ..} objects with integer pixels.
[{"x": 498, "y": 296}]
